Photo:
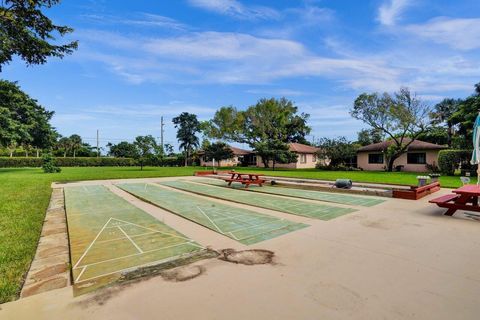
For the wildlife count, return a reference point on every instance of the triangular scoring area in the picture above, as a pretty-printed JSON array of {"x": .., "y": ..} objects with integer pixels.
[{"x": 116, "y": 229}]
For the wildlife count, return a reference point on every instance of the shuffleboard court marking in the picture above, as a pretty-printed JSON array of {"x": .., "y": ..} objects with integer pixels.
[
  {"x": 214, "y": 224},
  {"x": 173, "y": 258},
  {"x": 81, "y": 273},
  {"x": 130, "y": 239},
  {"x": 216, "y": 216},
  {"x": 104, "y": 241},
  {"x": 268, "y": 201},
  {"x": 323, "y": 196},
  {"x": 91, "y": 244}
]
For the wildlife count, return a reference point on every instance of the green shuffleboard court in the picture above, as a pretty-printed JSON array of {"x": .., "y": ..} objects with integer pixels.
[
  {"x": 109, "y": 236},
  {"x": 301, "y": 193},
  {"x": 292, "y": 206},
  {"x": 243, "y": 225}
]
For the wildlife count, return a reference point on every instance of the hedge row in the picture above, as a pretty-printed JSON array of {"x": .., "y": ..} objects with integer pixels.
[
  {"x": 451, "y": 160},
  {"x": 19, "y": 162}
]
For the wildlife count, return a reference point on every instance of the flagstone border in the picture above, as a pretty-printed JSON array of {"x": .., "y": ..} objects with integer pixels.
[{"x": 50, "y": 268}]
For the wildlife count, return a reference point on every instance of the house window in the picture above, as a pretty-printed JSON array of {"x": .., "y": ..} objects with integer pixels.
[
  {"x": 417, "y": 158},
  {"x": 314, "y": 158},
  {"x": 375, "y": 158},
  {"x": 303, "y": 158}
]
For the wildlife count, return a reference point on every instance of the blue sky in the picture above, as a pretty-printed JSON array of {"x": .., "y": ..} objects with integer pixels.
[{"x": 138, "y": 60}]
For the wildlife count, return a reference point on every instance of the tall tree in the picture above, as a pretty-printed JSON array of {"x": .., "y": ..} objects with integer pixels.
[
  {"x": 64, "y": 144},
  {"x": 266, "y": 127},
  {"x": 146, "y": 148},
  {"x": 369, "y": 136},
  {"x": 22, "y": 120},
  {"x": 218, "y": 151},
  {"x": 442, "y": 114},
  {"x": 75, "y": 143},
  {"x": 339, "y": 151},
  {"x": 123, "y": 149},
  {"x": 25, "y": 31},
  {"x": 401, "y": 116},
  {"x": 187, "y": 126},
  {"x": 465, "y": 116}
]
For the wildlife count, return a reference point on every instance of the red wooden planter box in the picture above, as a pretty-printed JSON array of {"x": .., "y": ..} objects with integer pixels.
[{"x": 416, "y": 193}]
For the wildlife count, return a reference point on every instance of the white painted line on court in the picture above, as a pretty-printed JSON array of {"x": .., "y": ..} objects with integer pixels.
[
  {"x": 137, "y": 254},
  {"x": 166, "y": 233},
  {"x": 142, "y": 265},
  {"x": 81, "y": 273},
  {"x": 126, "y": 235},
  {"x": 219, "y": 230},
  {"x": 91, "y": 244}
]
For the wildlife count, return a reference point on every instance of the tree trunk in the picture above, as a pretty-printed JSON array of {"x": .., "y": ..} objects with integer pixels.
[
  {"x": 265, "y": 162},
  {"x": 26, "y": 154},
  {"x": 391, "y": 162},
  {"x": 273, "y": 165},
  {"x": 186, "y": 157},
  {"x": 449, "y": 135},
  {"x": 73, "y": 153},
  {"x": 11, "y": 153},
  {"x": 65, "y": 154},
  {"x": 38, "y": 153}
]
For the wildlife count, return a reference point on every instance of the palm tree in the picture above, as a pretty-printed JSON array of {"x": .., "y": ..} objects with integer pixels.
[
  {"x": 65, "y": 144},
  {"x": 443, "y": 112},
  {"x": 188, "y": 125},
  {"x": 75, "y": 143}
]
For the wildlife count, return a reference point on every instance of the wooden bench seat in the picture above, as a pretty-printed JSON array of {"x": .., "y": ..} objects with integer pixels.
[{"x": 444, "y": 199}]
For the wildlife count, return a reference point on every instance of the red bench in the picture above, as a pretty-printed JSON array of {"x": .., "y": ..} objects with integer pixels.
[{"x": 464, "y": 198}]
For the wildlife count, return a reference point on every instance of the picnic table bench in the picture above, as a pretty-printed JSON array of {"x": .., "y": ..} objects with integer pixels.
[
  {"x": 245, "y": 178},
  {"x": 463, "y": 198}
]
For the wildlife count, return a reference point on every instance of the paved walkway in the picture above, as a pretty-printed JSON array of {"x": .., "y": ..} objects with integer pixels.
[{"x": 49, "y": 269}]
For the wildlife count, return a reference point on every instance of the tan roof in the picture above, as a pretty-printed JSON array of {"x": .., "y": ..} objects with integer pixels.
[
  {"x": 302, "y": 148},
  {"x": 240, "y": 152},
  {"x": 415, "y": 145},
  {"x": 236, "y": 151}
]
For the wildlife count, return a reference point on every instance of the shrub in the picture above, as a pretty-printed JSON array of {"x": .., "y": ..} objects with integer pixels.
[
  {"x": 336, "y": 168},
  {"x": 451, "y": 160},
  {"x": 49, "y": 165},
  {"x": 22, "y": 162}
]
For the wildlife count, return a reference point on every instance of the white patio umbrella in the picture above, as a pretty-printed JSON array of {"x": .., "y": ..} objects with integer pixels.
[{"x": 476, "y": 146}]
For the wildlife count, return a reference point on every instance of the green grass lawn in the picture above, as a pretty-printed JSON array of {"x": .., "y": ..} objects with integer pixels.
[{"x": 25, "y": 194}]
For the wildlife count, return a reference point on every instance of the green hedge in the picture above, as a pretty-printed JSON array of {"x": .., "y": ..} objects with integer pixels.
[
  {"x": 19, "y": 162},
  {"x": 450, "y": 160}
]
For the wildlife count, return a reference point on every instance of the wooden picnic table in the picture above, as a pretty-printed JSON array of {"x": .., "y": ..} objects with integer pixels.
[
  {"x": 463, "y": 198},
  {"x": 245, "y": 178}
]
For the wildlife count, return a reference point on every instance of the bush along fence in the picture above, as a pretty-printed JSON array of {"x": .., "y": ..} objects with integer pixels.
[
  {"x": 451, "y": 160},
  {"x": 22, "y": 162}
]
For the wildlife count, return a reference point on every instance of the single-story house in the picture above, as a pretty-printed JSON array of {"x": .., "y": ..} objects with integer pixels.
[
  {"x": 418, "y": 155},
  {"x": 239, "y": 156},
  {"x": 307, "y": 157}
]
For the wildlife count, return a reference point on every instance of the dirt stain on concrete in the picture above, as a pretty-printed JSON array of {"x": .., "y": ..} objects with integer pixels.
[
  {"x": 247, "y": 257},
  {"x": 183, "y": 273}
]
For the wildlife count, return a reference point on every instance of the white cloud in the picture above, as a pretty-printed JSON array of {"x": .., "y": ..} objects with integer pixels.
[
  {"x": 462, "y": 34},
  {"x": 391, "y": 10},
  {"x": 140, "y": 19},
  {"x": 236, "y": 9}
]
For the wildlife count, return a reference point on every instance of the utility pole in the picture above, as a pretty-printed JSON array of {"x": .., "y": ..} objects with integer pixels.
[
  {"x": 98, "y": 149},
  {"x": 161, "y": 133}
]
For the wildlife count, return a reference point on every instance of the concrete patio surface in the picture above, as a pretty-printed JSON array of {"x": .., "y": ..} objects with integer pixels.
[{"x": 400, "y": 259}]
